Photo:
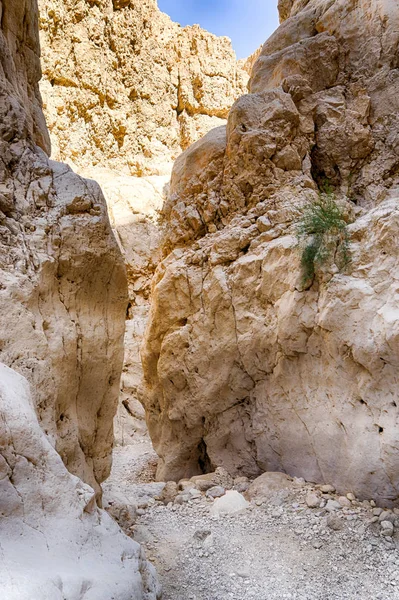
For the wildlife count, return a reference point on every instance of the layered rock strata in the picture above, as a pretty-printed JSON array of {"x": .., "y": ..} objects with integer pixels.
[{"x": 244, "y": 367}]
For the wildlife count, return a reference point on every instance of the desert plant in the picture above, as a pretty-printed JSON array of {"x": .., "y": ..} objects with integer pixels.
[{"x": 321, "y": 232}]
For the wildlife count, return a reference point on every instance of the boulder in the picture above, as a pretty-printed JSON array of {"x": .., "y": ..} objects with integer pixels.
[
  {"x": 268, "y": 484},
  {"x": 232, "y": 502}
]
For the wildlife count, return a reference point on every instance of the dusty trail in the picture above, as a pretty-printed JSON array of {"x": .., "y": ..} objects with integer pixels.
[{"x": 279, "y": 549}]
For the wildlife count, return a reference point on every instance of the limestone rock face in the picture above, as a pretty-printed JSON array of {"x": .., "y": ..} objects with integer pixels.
[
  {"x": 56, "y": 544},
  {"x": 244, "y": 368},
  {"x": 127, "y": 87},
  {"x": 62, "y": 278}
]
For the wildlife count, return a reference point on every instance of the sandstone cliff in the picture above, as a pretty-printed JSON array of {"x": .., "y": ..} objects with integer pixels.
[
  {"x": 244, "y": 368},
  {"x": 128, "y": 88}
]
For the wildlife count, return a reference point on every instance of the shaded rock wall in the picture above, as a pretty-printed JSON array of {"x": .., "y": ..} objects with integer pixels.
[
  {"x": 63, "y": 298},
  {"x": 62, "y": 278},
  {"x": 244, "y": 368}
]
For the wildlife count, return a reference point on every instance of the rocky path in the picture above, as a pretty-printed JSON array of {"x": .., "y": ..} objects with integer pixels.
[{"x": 274, "y": 549}]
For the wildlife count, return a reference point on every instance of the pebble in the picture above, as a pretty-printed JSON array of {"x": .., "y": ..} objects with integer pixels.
[
  {"x": 334, "y": 523},
  {"x": 333, "y": 505},
  {"x": 387, "y": 529},
  {"x": 215, "y": 492},
  {"x": 312, "y": 500},
  {"x": 387, "y": 516},
  {"x": 344, "y": 501},
  {"x": 327, "y": 489},
  {"x": 377, "y": 511}
]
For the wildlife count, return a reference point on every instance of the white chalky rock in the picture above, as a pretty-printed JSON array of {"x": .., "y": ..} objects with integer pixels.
[
  {"x": 55, "y": 543},
  {"x": 228, "y": 504}
]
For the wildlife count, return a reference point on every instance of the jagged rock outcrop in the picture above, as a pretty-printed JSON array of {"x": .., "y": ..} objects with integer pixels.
[
  {"x": 245, "y": 367},
  {"x": 126, "y": 87},
  {"x": 56, "y": 544}
]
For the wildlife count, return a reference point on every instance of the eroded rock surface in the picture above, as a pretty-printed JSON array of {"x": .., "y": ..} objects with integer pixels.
[
  {"x": 62, "y": 278},
  {"x": 244, "y": 368},
  {"x": 127, "y": 87},
  {"x": 63, "y": 298},
  {"x": 125, "y": 91},
  {"x": 55, "y": 543}
]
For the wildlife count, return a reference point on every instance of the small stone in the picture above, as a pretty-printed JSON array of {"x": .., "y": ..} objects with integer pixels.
[
  {"x": 344, "y": 501},
  {"x": 230, "y": 503},
  {"x": 334, "y": 522},
  {"x": 333, "y": 505},
  {"x": 299, "y": 481},
  {"x": 377, "y": 511},
  {"x": 372, "y": 503},
  {"x": 215, "y": 492},
  {"x": 387, "y": 528},
  {"x": 194, "y": 493},
  {"x": 317, "y": 544},
  {"x": 312, "y": 500},
  {"x": 241, "y": 484},
  {"x": 374, "y": 520},
  {"x": 386, "y": 516},
  {"x": 351, "y": 497},
  {"x": 327, "y": 489},
  {"x": 140, "y": 512}
]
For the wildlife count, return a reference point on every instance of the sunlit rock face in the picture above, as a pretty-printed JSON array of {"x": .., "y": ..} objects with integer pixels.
[
  {"x": 125, "y": 90},
  {"x": 244, "y": 368},
  {"x": 126, "y": 87}
]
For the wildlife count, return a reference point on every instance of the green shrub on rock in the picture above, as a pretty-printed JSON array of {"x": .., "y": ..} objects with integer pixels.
[{"x": 322, "y": 233}]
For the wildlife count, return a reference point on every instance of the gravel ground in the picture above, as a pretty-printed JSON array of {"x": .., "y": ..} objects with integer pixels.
[{"x": 277, "y": 549}]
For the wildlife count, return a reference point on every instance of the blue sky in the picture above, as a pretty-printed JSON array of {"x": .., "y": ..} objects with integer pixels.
[{"x": 247, "y": 22}]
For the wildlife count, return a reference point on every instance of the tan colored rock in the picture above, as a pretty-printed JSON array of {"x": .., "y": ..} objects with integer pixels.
[
  {"x": 268, "y": 484},
  {"x": 131, "y": 101},
  {"x": 243, "y": 367},
  {"x": 63, "y": 298},
  {"x": 120, "y": 108},
  {"x": 169, "y": 492}
]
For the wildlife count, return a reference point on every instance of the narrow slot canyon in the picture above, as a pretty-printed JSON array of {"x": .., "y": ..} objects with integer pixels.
[{"x": 199, "y": 325}]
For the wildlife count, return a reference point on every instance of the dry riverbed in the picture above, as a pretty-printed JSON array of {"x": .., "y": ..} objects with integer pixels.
[{"x": 274, "y": 549}]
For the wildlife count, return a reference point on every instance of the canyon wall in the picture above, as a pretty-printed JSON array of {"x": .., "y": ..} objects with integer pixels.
[
  {"x": 125, "y": 90},
  {"x": 63, "y": 282},
  {"x": 63, "y": 298},
  {"x": 245, "y": 366}
]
